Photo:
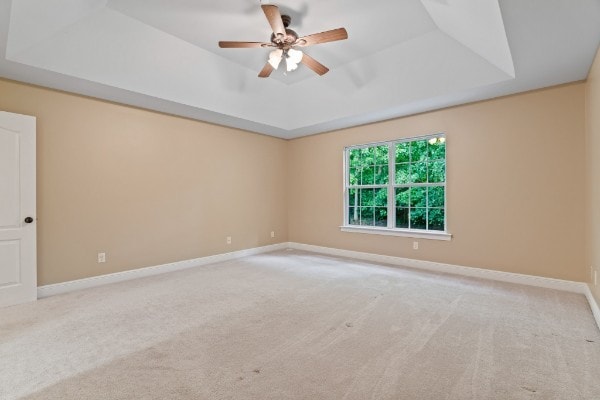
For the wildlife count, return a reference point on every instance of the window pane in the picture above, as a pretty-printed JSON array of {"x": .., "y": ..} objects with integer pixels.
[
  {"x": 437, "y": 150},
  {"x": 418, "y": 150},
  {"x": 354, "y": 176},
  {"x": 354, "y": 158},
  {"x": 381, "y": 155},
  {"x": 418, "y": 218},
  {"x": 402, "y": 152},
  {"x": 401, "y": 217},
  {"x": 367, "y": 156},
  {"x": 437, "y": 171},
  {"x": 366, "y": 197},
  {"x": 353, "y": 197},
  {"x": 368, "y": 175},
  {"x": 381, "y": 175},
  {"x": 418, "y": 197},
  {"x": 366, "y": 216},
  {"x": 418, "y": 172},
  {"x": 353, "y": 215},
  {"x": 380, "y": 216},
  {"x": 436, "y": 219},
  {"x": 402, "y": 199},
  {"x": 380, "y": 198},
  {"x": 435, "y": 196},
  {"x": 402, "y": 173}
]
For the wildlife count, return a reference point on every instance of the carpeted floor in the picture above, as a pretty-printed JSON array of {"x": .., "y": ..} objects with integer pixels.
[{"x": 295, "y": 325}]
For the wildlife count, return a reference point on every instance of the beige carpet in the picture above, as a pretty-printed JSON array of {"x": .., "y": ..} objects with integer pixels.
[{"x": 295, "y": 325}]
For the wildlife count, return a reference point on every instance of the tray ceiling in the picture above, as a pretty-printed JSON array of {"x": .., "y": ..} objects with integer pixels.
[{"x": 401, "y": 57}]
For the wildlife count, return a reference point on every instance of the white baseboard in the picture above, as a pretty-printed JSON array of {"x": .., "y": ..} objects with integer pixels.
[
  {"x": 593, "y": 304},
  {"x": 530, "y": 280},
  {"x": 70, "y": 286}
]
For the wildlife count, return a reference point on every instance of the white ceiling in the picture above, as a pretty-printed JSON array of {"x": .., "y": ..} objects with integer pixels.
[{"x": 402, "y": 57}]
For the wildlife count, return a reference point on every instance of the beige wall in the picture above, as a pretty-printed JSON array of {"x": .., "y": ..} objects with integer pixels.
[
  {"x": 593, "y": 169},
  {"x": 515, "y": 185},
  {"x": 145, "y": 187},
  {"x": 149, "y": 188}
]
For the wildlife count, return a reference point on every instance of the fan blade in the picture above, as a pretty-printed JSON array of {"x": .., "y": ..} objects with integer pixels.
[
  {"x": 266, "y": 71},
  {"x": 323, "y": 37},
  {"x": 274, "y": 18},
  {"x": 243, "y": 45},
  {"x": 314, "y": 64}
]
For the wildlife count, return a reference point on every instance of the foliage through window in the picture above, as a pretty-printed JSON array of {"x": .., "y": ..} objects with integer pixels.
[{"x": 397, "y": 185}]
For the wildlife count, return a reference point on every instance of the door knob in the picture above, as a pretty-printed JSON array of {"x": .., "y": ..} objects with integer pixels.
[{"x": 28, "y": 220}]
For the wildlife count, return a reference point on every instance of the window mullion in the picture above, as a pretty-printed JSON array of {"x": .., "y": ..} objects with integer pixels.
[{"x": 391, "y": 206}]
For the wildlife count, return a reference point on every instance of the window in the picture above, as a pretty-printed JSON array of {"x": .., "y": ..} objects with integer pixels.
[{"x": 397, "y": 187}]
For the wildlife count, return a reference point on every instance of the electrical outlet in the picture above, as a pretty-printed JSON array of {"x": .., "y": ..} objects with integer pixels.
[
  {"x": 228, "y": 239},
  {"x": 272, "y": 234},
  {"x": 101, "y": 257},
  {"x": 415, "y": 245}
]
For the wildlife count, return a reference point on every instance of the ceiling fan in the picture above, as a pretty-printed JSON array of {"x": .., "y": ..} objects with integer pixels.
[{"x": 285, "y": 40}]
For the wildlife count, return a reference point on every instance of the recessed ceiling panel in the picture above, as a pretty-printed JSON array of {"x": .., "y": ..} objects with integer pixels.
[
  {"x": 375, "y": 26},
  {"x": 398, "y": 75}
]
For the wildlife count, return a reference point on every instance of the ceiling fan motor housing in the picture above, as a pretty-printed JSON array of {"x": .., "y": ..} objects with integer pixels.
[{"x": 289, "y": 39}]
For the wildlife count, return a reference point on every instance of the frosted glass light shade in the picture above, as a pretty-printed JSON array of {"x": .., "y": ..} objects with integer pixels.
[
  {"x": 275, "y": 58},
  {"x": 294, "y": 56},
  {"x": 293, "y": 59}
]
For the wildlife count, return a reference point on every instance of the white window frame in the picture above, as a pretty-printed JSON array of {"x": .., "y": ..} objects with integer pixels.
[{"x": 391, "y": 229}]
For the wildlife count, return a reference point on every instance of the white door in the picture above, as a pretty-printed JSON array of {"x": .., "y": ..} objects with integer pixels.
[{"x": 18, "y": 269}]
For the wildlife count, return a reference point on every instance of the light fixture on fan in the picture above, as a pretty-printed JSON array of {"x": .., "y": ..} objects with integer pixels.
[{"x": 292, "y": 58}]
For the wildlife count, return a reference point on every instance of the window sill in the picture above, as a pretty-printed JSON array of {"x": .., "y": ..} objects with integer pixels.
[{"x": 398, "y": 232}]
